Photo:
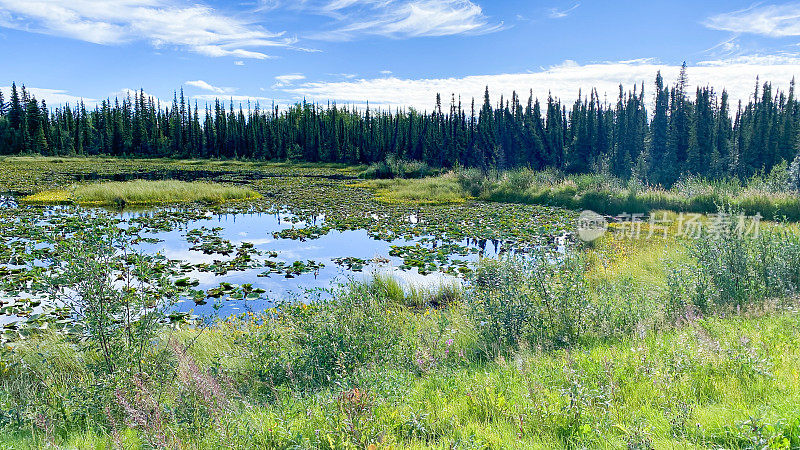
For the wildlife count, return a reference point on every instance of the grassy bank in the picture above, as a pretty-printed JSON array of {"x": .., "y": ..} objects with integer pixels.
[
  {"x": 669, "y": 343},
  {"x": 603, "y": 194},
  {"x": 144, "y": 192}
]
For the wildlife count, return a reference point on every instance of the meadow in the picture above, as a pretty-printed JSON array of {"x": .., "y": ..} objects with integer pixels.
[{"x": 651, "y": 341}]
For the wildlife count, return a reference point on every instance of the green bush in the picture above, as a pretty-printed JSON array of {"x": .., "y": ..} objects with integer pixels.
[
  {"x": 393, "y": 167},
  {"x": 472, "y": 181},
  {"x": 538, "y": 303},
  {"x": 311, "y": 346},
  {"x": 793, "y": 177},
  {"x": 734, "y": 267}
]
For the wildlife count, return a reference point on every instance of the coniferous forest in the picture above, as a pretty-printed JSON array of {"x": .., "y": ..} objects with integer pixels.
[{"x": 699, "y": 133}]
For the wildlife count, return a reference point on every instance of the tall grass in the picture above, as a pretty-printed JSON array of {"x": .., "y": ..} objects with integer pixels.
[
  {"x": 605, "y": 194},
  {"x": 732, "y": 269},
  {"x": 146, "y": 192},
  {"x": 608, "y": 195},
  {"x": 426, "y": 191}
]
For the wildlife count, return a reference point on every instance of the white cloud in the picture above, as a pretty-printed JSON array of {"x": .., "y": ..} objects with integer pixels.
[
  {"x": 197, "y": 28},
  {"x": 726, "y": 48},
  {"x": 52, "y": 97},
  {"x": 238, "y": 63},
  {"x": 401, "y": 18},
  {"x": 766, "y": 20},
  {"x": 563, "y": 81},
  {"x": 555, "y": 13},
  {"x": 208, "y": 87},
  {"x": 287, "y": 80}
]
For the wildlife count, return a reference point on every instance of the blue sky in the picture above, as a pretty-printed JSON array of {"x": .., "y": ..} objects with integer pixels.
[{"x": 390, "y": 52}]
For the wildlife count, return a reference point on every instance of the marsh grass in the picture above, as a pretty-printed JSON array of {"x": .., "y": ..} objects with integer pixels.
[
  {"x": 426, "y": 191},
  {"x": 436, "y": 295},
  {"x": 609, "y": 195},
  {"x": 144, "y": 192},
  {"x": 600, "y": 193}
]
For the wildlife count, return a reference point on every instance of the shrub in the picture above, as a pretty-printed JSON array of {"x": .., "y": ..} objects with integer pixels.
[
  {"x": 793, "y": 177},
  {"x": 735, "y": 267},
  {"x": 311, "y": 345},
  {"x": 472, "y": 181},
  {"x": 393, "y": 167},
  {"x": 119, "y": 296},
  {"x": 541, "y": 302}
]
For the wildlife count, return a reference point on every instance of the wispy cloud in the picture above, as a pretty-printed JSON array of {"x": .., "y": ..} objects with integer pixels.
[
  {"x": 556, "y": 13},
  {"x": 401, "y": 18},
  {"x": 208, "y": 87},
  {"x": 196, "y": 27},
  {"x": 287, "y": 80},
  {"x": 766, "y": 20},
  {"x": 726, "y": 48},
  {"x": 737, "y": 75}
]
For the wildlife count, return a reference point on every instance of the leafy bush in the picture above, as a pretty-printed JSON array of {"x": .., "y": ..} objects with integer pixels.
[
  {"x": 118, "y": 296},
  {"x": 312, "y": 345},
  {"x": 793, "y": 177},
  {"x": 393, "y": 167},
  {"x": 540, "y": 303},
  {"x": 735, "y": 267}
]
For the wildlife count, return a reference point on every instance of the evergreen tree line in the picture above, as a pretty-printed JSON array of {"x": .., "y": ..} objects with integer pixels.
[{"x": 702, "y": 135}]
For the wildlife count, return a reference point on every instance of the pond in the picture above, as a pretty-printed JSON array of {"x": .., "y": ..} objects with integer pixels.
[
  {"x": 329, "y": 259},
  {"x": 296, "y": 244}
]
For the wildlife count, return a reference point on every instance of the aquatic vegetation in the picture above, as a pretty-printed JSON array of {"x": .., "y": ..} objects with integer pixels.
[
  {"x": 351, "y": 263},
  {"x": 427, "y": 260},
  {"x": 291, "y": 270},
  {"x": 49, "y": 198},
  {"x": 301, "y": 234}
]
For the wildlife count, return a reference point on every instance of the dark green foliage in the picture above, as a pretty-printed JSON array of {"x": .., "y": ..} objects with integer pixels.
[{"x": 393, "y": 167}]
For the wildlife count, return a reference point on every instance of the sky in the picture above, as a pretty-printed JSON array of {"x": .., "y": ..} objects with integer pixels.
[{"x": 390, "y": 53}]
